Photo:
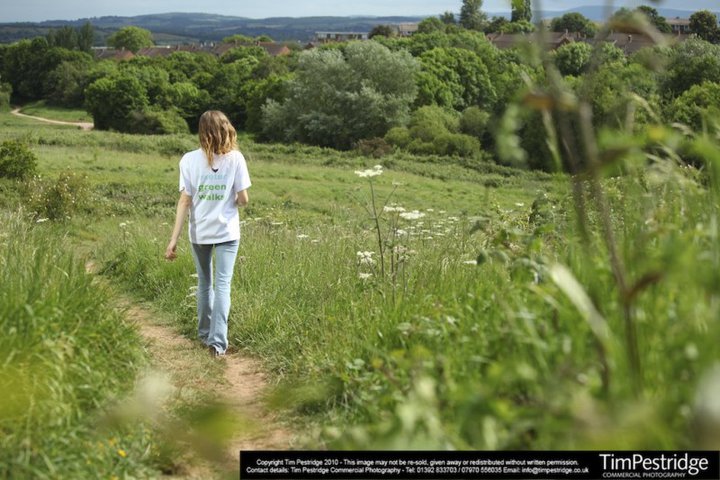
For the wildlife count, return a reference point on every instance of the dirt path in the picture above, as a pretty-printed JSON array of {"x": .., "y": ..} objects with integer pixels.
[
  {"x": 236, "y": 382},
  {"x": 82, "y": 125}
]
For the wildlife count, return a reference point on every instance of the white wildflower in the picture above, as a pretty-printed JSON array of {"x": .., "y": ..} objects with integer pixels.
[
  {"x": 519, "y": 204},
  {"x": 315, "y": 241},
  {"x": 302, "y": 236},
  {"x": 414, "y": 215},
  {"x": 365, "y": 276},
  {"x": 400, "y": 232},
  {"x": 365, "y": 258},
  {"x": 453, "y": 219},
  {"x": 393, "y": 208},
  {"x": 372, "y": 172},
  {"x": 41, "y": 220},
  {"x": 429, "y": 210},
  {"x": 194, "y": 275},
  {"x": 123, "y": 225},
  {"x": 277, "y": 224},
  {"x": 470, "y": 262}
]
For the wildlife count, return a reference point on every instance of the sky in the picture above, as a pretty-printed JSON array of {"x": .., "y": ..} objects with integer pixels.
[{"x": 39, "y": 10}]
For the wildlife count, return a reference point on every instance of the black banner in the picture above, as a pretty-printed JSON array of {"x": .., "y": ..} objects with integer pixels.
[{"x": 402, "y": 465}]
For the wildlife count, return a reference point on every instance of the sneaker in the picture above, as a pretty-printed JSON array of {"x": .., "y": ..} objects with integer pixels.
[{"x": 213, "y": 352}]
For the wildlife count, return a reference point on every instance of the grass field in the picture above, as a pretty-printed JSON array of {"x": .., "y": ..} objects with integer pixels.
[
  {"x": 487, "y": 322},
  {"x": 41, "y": 109}
]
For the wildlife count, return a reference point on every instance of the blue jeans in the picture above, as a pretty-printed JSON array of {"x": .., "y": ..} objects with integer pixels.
[{"x": 213, "y": 297}]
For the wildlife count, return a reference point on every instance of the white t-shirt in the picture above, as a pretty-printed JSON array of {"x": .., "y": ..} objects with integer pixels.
[{"x": 214, "y": 215}]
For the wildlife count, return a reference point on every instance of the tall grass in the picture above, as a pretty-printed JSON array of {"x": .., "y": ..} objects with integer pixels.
[
  {"x": 501, "y": 331},
  {"x": 65, "y": 355}
]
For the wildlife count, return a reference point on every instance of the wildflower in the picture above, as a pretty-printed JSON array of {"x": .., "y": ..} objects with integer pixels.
[
  {"x": 429, "y": 210},
  {"x": 123, "y": 225},
  {"x": 194, "y": 275},
  {"x": 414, "y": 215},
  {"x": 365, "y": 276},
  {"x": 302, "y": 236},
  {"x": 470, "y": 262},
  {"x": 365, "y": 258},
  {"x": 453, "y": 219},
  {"x": 519, "y": 204},
  {"x": 276, "y": 224},
  {"x": 122, "y": 453},
  {"x": 393, "y": 208},
  {"x": 372, "y": 172},
  {"x": 315, "y": 241},
  {"x": 400, "y": 232},
  {"x": 41, "y": 220}
]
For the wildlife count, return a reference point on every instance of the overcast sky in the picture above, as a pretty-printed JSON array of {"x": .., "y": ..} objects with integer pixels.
[{"x": 38, "y": 10}]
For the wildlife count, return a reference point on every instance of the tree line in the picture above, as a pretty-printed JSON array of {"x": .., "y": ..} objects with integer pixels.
[{"x": 443, "y": 91}]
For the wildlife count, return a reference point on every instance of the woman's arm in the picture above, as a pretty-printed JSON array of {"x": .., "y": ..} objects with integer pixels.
[
  {"x": 241, "y": 198},
  {"x": 181, "y": 212}
]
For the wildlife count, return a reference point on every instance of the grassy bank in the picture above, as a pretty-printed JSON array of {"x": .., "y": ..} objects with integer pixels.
[{"x": 66, "y": 357}]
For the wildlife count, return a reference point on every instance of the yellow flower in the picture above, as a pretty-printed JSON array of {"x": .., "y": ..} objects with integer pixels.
[{"x": 122, "y": 453}]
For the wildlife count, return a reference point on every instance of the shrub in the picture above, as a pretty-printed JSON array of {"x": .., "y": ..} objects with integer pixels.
[
  {"x": 5, "y": 93},
  {"x": 153, "y": 121},
  {"x": 398, "y": 136},
  {"x": 474, "y": 122},
  {"x": 59, "y": 199},
  {"x": 373, "y": 147},
  {"x": 17, "y": 160}
]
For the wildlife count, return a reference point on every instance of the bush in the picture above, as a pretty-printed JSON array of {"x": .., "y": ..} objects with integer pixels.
[
  {"x": 61, "y": 199},
  {"x": 373, "y": 147},
  {"x": 474, "y": 122},
  {"x": 156, "y": 122},
  {"x": 17, "y": 160},
  {"x": 5, "y": 93},
  {"x": 398, "y": 136}
]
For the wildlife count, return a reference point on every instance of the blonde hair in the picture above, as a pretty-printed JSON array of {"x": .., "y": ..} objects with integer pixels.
[{"x": 217, "y": 135}]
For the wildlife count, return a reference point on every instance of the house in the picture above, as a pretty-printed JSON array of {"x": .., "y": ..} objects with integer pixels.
[
  {"x": 552, "y": 40},
  {"x": 406, "y": 29},
  {"x": 105, "y": 53},
  {"x": 679, "y": 25},
  {"x": 325, "y": 37}
]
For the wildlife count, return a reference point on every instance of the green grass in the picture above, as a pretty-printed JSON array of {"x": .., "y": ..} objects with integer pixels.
[
  {"x": 66, "y": 358},
  {"x": 42, "y": 109},
  {"x": 439, "y": 352}
]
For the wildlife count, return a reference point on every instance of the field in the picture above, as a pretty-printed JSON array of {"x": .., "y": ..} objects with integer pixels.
[{"x": 439, "y": 304}]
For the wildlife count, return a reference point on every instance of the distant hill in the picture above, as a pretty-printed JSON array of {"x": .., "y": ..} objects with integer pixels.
[
  {"x": 194, "y": 27},
  {"x": 178, "y": 28}
]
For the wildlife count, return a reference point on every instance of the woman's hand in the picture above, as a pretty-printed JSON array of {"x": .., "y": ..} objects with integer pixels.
[{"x": 170, "y": 253}]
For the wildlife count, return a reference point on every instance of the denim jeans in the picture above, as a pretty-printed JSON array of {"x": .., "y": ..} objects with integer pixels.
[{"x": 213, "y": 295}]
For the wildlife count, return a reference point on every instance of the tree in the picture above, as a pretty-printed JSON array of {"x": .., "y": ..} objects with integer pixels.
[
  {"x": 431, "y": 24},
  {"x": 454, "y": 78},
  {"x": 131, "y": 38},
  {"x": 573, "y": 58},
  {"x": 697, "y": 105},
  {"x": 691, "y": 62},
  {"x": 496, "y": 25},
  {"x": 655, "y": 18},
  {"x": 704, "y": 24},
  {"x": 111, "y": 100},
  {"x": 448, "y": 18},
  {"x": 574, "y": 22},
  {"x": 86, "y": 37},
  {"x": 339, "y": 97},
  {"x": 521, "y": 26},
  {"x": 381, "y": 30},
  {"x": 65, "y": 37},
  {"x": 471, "y": 17},
  {"x": 521, "y": 11}
]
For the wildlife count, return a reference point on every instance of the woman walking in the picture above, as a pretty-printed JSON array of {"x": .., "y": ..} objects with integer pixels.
[{"x": 213, "y": 182}]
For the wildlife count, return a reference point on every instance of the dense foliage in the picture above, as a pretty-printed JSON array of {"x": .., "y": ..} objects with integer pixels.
[{"x": 338, "y": 95}]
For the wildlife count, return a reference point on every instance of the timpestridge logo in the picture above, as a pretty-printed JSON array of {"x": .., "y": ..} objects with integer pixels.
[{"x": 644, "y": 465}]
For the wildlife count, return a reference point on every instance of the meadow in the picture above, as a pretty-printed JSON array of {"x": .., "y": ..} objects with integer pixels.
[{"x": 438, "y": 304}]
